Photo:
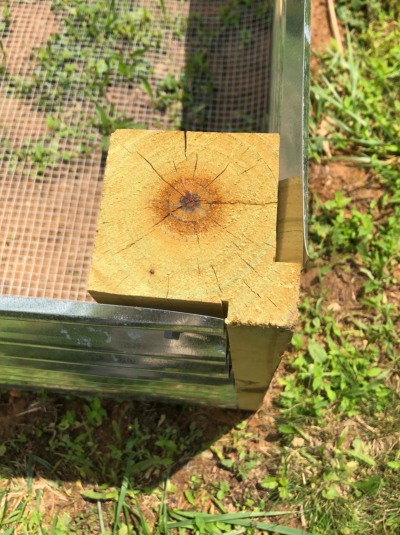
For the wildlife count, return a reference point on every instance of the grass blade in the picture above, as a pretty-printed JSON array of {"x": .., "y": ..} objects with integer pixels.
[
  {"x": 361, "y": 457},
  {"x": 273, "y": 528},
  {"x": 162, "y": 5},
  {"x": 38, "y": 500},
  {"x": 231, "y": 517},
  {"x": 162, "y": 514},
  {"x": 142, "y": 466},
  {"x": 338, "y": 104},
  {"x": 47, "y": 465},
  {"x": 127, "y": 520},
  {"x": 147, "y": 87},
  {"x": 143, "y": 523},
  {"x": 100, "y": 512},
  {"x": 29, "y": 479},
  {"x": 219, "y": 504},
  {"x": 238, "y": 519},
  {"x": 121, "y": 500},
  {"x": 54, "y": 523},
  {"x": 103, "y": 117}
]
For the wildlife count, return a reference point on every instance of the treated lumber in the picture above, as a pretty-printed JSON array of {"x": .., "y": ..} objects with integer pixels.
[{"x": 188, "y": 223}]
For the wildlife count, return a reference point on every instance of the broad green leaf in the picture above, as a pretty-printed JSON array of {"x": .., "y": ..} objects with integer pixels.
[
  {"x": 189, "y": 497},
  {"x": 200, "y": 523},
  {"x": 317, "y": 352},
  {"x": 139, "y": 52},
  {"x": 171, "y": 487},
  {"x": 269, "y": 483},
  {"x": 373, "y": 372},
  {"x": 361, "y": 457},
  {"x": 142, "y": 466},
  {"x": 105, "y": 496},
  {"x": 286, "y": 429},
  {"x": 393, "y": 464},
  {"x": 101, "y": 66},
  {"x": 297, "y": 340},
  {"x": 331, "y": 492}
]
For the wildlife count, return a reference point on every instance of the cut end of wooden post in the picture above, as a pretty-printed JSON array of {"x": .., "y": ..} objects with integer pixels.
[{"x": 188, "y": 223}]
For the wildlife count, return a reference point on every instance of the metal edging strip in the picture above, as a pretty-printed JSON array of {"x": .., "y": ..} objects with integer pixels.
[{"x": 289, "y": 113}]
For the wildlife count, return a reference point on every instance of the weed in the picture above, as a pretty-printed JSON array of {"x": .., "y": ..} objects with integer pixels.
[
  {"x": 107, "y": 123},
  {"x": 5, "y": 23}
]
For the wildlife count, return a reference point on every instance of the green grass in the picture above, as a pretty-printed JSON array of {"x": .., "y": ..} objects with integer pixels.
[
  {"x": 342, "y": 398},
  {"x": 326, "y": 458}
]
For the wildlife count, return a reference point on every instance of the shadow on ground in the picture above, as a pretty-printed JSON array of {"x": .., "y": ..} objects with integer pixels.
[
  {"x": 97, "y": 440},
  {"x": 228, "y": 66}
]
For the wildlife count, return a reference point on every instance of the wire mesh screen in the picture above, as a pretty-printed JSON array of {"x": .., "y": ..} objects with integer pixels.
[{"x": 73, "y": 71}]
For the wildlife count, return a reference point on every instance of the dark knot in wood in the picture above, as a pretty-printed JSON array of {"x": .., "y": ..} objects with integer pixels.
[{"x": 191, "y": 206}]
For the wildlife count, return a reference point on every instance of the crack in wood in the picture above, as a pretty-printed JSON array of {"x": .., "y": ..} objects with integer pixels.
[
  {"x": 195, "y": 166},
  {"x": 253, "y": 268},
  {"x": 197, "y": 234},
  {"x": 185, "y": 136},
  {"x": 251, "y": 289},
  {"x": 158, "y": 174},
  {"x": 221, "y": 173},
  {"x": 216, "y": 278}
]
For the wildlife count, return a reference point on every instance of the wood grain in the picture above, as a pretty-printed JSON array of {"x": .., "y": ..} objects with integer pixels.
[{"x": 188, "y": 223}]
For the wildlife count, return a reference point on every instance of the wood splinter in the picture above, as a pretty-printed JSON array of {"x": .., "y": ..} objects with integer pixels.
[{"x": 188, "y": 223}]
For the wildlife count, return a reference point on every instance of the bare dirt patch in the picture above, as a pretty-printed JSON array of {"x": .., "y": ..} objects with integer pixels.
[
  {"x": 359, "y": 183},
  {"x": 35, "y": 125},
  {"x": 31, "y": 25},
  {"x": 321, "y": 33}
]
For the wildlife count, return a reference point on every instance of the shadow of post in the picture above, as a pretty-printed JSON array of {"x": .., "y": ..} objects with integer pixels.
[
  {"x": 71, "y": 438},
  {"x": 227, "y": 66}
]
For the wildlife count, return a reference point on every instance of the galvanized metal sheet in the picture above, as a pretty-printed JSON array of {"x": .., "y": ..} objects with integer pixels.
[
  {"x": 219, "y": 396},
  {"x": 93, "y": 313},
  {"x": 207, "y": 347},
  {"x": 85, "y": 347},
  {"x": 289, "y": 112}
]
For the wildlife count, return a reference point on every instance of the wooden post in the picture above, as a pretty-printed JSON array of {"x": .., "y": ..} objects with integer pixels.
[{"x": 188, "y": 223}]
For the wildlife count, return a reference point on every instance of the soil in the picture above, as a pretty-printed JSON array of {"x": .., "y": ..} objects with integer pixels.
[
  {"x": 356, "y": 182},
  {"x": 35, "y": 125},
  {"x": 321, "y": 33},
  {"x": 31, "y": 26}
]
